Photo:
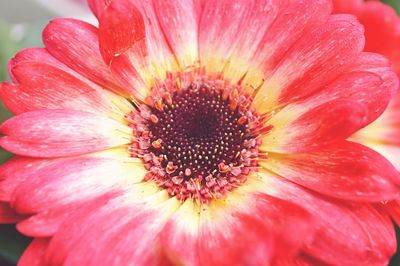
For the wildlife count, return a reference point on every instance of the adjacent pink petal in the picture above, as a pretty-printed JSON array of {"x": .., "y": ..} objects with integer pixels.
[
  {"x": 45, "y": 83},
  {"x": 47, "y": 223},
  {"x": 314, "y": 61},
  {"x": 393, "y": 208},
  {"x": 76, "y": 44},
  {"x": 220, "y": 24},
  {"x": 17, "y": 170},
  {"x": 341, "y": 108},
  {"x": 88, "y": 177},
  {"x": 248, "y": 231},
  {"x": 295, "y": 19},
  {"x": 98, "y": 6},
  {"x": 381, "y": 23},
  {"x": 179, "y": 22},
  {"x": 54, "y": 133},
  {"x": 121, "y": 26},
  {"x": 335, "y": 172},
  {"x": 132, "y": 232},
  {"x": 347, "y": 234},
  {"x": 34, "y": 254},
  {"x": 130, "y": 28}
]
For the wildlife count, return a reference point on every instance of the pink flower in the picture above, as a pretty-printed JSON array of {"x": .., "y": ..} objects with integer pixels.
[{"x": 198, "y": 133}]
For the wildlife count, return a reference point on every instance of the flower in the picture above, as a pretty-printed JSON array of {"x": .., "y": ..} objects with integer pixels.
[
  {"x": 199, "y": 133},
  {"x": 382, "y": 30}
]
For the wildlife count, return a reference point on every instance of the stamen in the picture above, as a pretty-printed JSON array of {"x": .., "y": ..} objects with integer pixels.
[{"x": 198, "y": 138}]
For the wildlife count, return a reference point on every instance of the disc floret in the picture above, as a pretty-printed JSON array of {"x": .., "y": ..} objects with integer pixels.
[{"x": 197, "y": 135}]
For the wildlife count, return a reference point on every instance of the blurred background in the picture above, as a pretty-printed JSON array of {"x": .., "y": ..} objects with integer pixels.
[{"x": 21, "y": 24}]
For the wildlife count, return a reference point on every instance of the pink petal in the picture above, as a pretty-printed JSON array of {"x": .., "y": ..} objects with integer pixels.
[
  {"x": 48, "y": 222},
  {"x": 295, "y": 19},
  {"x": 244, "y": 231},
  {"x": 35, "y": 252},
  {"x": 393, "y": 208},
  {"x": 179, "y": 22},
  {"x": 341, "y": 108},
  {"x": 15, "y": 171},
  {"x": 315, "y": 60},
  {"x": 45, "y": 83},
  {"x": 381, "y": 23},
  {"x": 76, "y": 44},
  {"x": 54, "y": 133},
  {"x": 88, "y": 177},
  {"x": 132, "y": 233},
  {"x": 130, "y": 28},
  {"x": 352, "y": 234},
  {"x": 220, "y": 23},
  {"x": 98, "y": 6},
  {"x": 118, "y": 31},
  {"x": 336, "y": 173}
]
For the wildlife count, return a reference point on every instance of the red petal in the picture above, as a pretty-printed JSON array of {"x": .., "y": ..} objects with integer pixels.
[
  {"x": 45, "y": 83},
  {"x": 179, "y": 22},
  {"x": 295, "y": 18},
  {"x": 46, "y": 223},
  {"x": 98, "y": 6},
  {"x": 132, "y": 229},
  {"x": 393, "y": 208},
  {"x": 53, "y": 133},
  {"x": 381, "y": 23},
  {"x": 131, "y": 29},
  {"x": 336, "y": 173},
  {"x": 76, "y": 44},
  {"x": 14, "y": 172},
  {"x": 346, "y": 234},
  {"x": 121, "y": 25},
  {"x": 354, "y": 100},
  {"x": 315, "y": 60},
  {"x": 220, "y": 24},
  {"x": 50, "y": 186},
  {"x": 245, "y": 231},
  {"x": 35, "y": 252}
]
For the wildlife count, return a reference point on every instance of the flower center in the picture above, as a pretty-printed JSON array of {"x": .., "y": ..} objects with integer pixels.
[{"x": 199, "y": 140}]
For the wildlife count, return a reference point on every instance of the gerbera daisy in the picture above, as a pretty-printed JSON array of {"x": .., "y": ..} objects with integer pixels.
[{"x": 199, "y": 133}]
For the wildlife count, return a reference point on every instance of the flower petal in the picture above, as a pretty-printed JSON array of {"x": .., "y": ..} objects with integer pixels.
[
  {"x": 55, "y": 133},
  {"x": 98, "y": 6},
  {"x": 314, "y": 61},
  {"x": 179, "y": 22},
  {"x": 347, "y": 234},
  {"x": 14, "y": 172},
  {"x": 35, "y": 252},
  {"x": 50, "y": 184},
  {"x": 47, "y": 223},
  {"x": 334, "y": 172},
  {"x": 244, "y": 228},
  {"x": 76, "y": 44},
  {"x": 132, "y": 232},
  {"x": 45, "y": 83},
  {"x": 220, "y": 24},
  {"x": 130, "y": 28},
  {"x": 381, "y": 23},
  {"x": 349, "y": 103}
]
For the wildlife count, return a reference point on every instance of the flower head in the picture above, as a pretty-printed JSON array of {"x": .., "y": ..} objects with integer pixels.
[{"x": 199, "y": 133}]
